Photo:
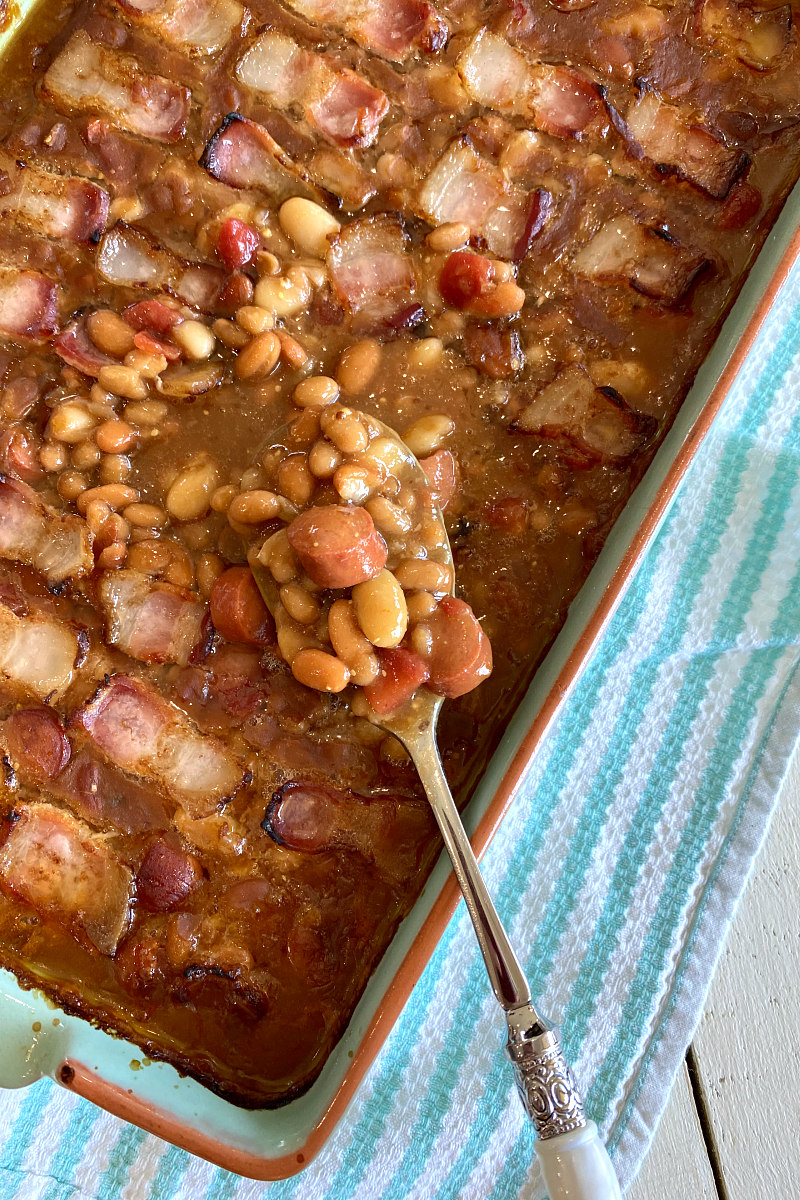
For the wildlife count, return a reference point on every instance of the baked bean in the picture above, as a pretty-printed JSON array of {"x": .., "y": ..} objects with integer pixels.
[
  {"x": 145, "y": 516},
  {"x": 350, "y": 644},
  {"x": 345, "y": 429},
  {"x": 420, "y": 606},
  {"x": 428, "y": 434},
  {"x": 317, "y": 669},
  {"x": 189, "y": 496},
  {"x": 425, "y": 353},
  {"x": 150, "y": 556},
  {"x": 112, "y": 556},
  {"x": 53, "y": 456},
  {"x": 389, "y": 455},
  {"x": 381, "y": 611},
  {"x": 304, "y": 428},
  {"x": 358, "y": 366},
  {"x": 292, "y": 637},
  {"x": 70, "y": 423},
  {"x": 149, "y": 364},
  {"x": 299, "y": 604},
  {"x": 259, "y": 358},
  {"x": 292, "y": 352},
  {"x": 221, "y": 497},
  {"x": 278, "y": 556},
  {"x": 254, "y": 320},
  {"x": 251, "y": 479},
  {"x": 115, "y": 437},
  {"x": 85, "y": 456},
  {"x": 448, "y": 237},
  {"x": 71, "y": 484},
  {"x": 355, "y": 482},
  {"x": 390, "y": 519},
  {"x": 96, "y": 513},
  {"x": 415, "y": 574},
  {"x": 149, "y": 413},
  {"x": 114, "y": 468},
  {"x": 284, "y": 295},
  {"x": 114, "y": 529},
  {"x": 123, "y": 381},
  {"x": 209, "y": 568},
  {"x": 422, "y": 640},
  {"x": 254, "y": 508},
  {"x": 179, "y": 570},
  {"x": 195, "y": 339},
  {"x": 295, "y": 481},
  {"x": 229, "y": 334},
  {"x": 309, "y": 225},
  {"x": 316, "y": 392},
  {"x": 109, "y": 332},
  {"x": 115, "y": 495},
  {"x": 324, "y": 459}
]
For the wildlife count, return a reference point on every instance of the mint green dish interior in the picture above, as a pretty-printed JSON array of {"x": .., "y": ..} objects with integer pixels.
[{"x": 37, "y": 1038}]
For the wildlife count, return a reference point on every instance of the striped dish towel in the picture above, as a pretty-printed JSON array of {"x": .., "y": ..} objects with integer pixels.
[{"x": 616, "y": 871}]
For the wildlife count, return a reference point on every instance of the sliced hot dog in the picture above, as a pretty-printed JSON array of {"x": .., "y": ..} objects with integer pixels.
[
  {"x": 402, "y": 672},
  {"x": 166, "y": 877},
  {"x": 338, "y": 545},
  {"x": 34, "y": 740},
  {"x": 440, "y": 469},
  {"x": 238, "y": 611},
  {"x": 461, "y": 657}
]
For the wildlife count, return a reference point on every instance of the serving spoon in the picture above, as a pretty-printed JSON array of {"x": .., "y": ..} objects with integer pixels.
[{"x": 574, "y": 1161}]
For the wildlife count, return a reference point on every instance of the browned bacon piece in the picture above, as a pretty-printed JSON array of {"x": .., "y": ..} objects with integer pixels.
[
  {"x": 55, "y": 206},
  {"x": 128, "y": 257},
  {"x": 558, "y": 100},
  {"x": 87, "y": 77},
  {"x": 466, "y": 187},
  {"x": 340, "y": 104},
  {"x": 372, "y": 273},
  {"x": 142, "y": 733},
  {"x": 154, "y": 622},
  {"x": 650, "y": 260},
  {"x": 75, "y": 347},
  {"x": 312, "y": 818},
  {"x": 676, "y": 145},
  {"x": 28, "y": 304},
  {"x": 37, "y": 654},
  {"x": 594, "y": 422},
  {"x": 394, "y": 29},
  {"x": 66, "y": 872},
  {"x": 57, "y": 544},
  {"x": 198, "y": 27},
  {"x": 243, "y": 154}
]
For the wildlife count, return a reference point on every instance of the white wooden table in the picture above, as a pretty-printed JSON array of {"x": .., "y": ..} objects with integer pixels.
[{"x": 731, "y": 1130}]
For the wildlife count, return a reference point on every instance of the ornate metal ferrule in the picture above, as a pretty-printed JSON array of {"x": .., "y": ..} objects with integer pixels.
[{"x": 544, "y": 1078}]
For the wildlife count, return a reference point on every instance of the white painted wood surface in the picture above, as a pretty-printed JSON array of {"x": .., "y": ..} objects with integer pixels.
[{"x": 747, "y": 1049}]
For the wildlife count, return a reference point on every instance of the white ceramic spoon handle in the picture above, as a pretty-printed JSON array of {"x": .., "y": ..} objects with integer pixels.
[{"x": 575, "y": 1163}]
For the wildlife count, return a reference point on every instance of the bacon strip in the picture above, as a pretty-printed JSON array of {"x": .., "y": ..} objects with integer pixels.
[
  {"x": 466, "y": 187},
  {"x": 66, "y": 872},
  {"x": 75, "y": 347},
  {"x": 57, "y": 544},
  {"x": 394, "y": 29},
  {"x": 130, "y": 258},
  {"x": 371, "y": 270},
  {"x": 55, "y": 206},
  {"x": 37, "y": 654},
  {"x": 28, "y": 304},
  {"x": 664, "y": 136},
  {"x": 340, "y": 104},
  {"x": 558, "y": 100},
  {"x": 649, "y": 260},
  {"x": 595, "y": 422},
  {"x": 153, "y": 622},
  {"x": 139, "y": 731},
  {"x": 198, "y": 27},
  {"x": 243, "y": 154},
  {"x": 90, "y": 78}
]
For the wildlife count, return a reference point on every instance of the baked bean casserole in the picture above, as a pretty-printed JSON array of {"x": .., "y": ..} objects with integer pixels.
[{"x": 510, "y": 231}]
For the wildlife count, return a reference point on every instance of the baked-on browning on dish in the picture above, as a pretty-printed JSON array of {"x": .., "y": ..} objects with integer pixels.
[{"x": 510, "y": 231}]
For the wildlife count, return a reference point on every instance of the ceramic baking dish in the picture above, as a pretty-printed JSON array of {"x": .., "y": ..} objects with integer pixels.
[{"x": 39, "y": 1040}]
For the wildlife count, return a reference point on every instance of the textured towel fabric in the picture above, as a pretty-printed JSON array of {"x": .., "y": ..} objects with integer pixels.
[{"x": 617, "y": 869}]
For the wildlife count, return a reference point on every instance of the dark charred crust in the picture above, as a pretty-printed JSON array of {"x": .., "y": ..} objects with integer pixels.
[
  {"x": 207, "y": 159},
  {"x": 83, "y": 646},
  {"x": 271, "y": 810}
]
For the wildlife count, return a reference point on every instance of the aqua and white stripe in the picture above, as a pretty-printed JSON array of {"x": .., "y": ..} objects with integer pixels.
[{"x": 616, "y": 871}]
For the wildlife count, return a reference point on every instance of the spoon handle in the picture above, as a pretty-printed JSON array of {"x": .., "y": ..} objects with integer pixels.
[{"x": 575, "y": 1164}]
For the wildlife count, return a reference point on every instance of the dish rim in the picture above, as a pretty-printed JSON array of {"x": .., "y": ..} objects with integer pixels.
[{"x": 559, "y": 671}]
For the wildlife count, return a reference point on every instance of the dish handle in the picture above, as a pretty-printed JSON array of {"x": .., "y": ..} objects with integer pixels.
[{"x": 29, "y": 1047}]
